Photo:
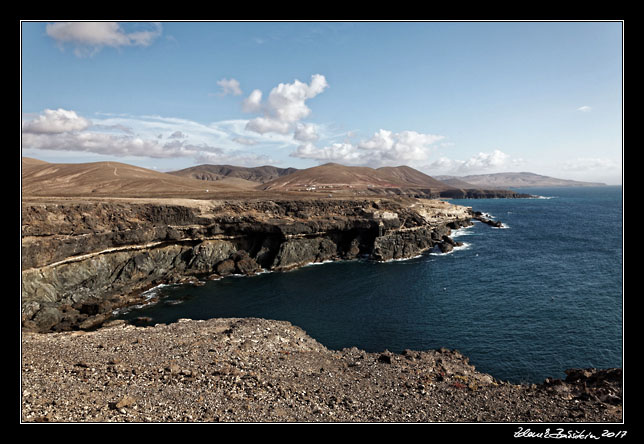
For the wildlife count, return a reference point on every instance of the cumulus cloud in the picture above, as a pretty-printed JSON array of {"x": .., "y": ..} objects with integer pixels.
[
  {"x": 383, "y": 148},
  {"x": 484, "y": 161},
  {"x": 229, "y": 86},
  {"x": 305, "y": 132},
  {"x": 284, "y": 106},
  {"x": 253, "y": 103},
  {"x": 336, "y": 152},
  {"x": 56, "y": 121},
  {"x": 90, "y": 37}
]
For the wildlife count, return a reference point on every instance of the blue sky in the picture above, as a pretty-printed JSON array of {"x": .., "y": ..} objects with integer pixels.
[{"x": 451, "y": 98}]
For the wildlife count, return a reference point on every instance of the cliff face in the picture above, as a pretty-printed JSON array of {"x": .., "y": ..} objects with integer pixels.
[{"x": 82, "y": 259}]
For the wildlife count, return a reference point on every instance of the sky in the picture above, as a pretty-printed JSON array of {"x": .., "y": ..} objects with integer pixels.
[{"x": 447, "y": 98}]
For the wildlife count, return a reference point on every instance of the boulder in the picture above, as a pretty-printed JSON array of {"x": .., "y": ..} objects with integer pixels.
[
  {"x": 245, "y": 264},
  {"x": 225, "y": 267}
]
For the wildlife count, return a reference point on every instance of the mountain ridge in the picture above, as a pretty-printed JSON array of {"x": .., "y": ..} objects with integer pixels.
[
  {"x": 107, "y": 179},
  {"x": 212, "y": 172},
  {"x": 522, "y": 179},
  {"x": 116, "y": 179}
]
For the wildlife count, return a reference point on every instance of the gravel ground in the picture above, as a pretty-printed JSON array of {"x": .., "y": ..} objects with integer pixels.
[{"x": 256, "y": 370}]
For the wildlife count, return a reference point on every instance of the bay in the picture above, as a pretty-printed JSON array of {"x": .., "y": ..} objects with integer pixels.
[{"x": 523, "y": 302}]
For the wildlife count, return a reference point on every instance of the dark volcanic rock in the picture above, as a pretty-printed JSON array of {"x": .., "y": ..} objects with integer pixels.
[
  {"x": 245, "y": 264},
  {"x": 97, "y": 256},
  {"x": 225, "y": 267}
]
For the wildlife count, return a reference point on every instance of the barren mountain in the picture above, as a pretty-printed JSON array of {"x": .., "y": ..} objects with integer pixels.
[
  {"x": 115, "y": 179},
  {"x": 260, "y": 174},
  {"x": 333, "y": 175},
  {"x": 408, "y": 177},
  {"x": 517, "y": 180},
  {"x": 109, "y": 179}
]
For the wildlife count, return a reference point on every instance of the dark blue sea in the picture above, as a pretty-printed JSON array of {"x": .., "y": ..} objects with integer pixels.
[{"x": 523, "y": 302}]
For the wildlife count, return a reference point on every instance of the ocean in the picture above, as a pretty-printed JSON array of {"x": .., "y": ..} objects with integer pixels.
[{"x": 523, "y": 302}]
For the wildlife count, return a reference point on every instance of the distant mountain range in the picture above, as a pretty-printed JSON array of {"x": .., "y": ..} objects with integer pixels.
[
  {"x": 115, "y": 179},
  {"x": 336, "y": 178},
  {"x": 513, "y": 180}
]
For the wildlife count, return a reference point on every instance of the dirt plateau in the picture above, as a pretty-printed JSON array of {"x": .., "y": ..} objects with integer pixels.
[{"x": 81, "y": 259}]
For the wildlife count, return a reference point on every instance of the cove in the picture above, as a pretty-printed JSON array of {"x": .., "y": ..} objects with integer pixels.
[{"x": 524, "y": 303}]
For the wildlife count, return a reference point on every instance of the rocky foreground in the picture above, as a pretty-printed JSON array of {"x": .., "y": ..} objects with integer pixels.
[{"x": 257, "y": 370}]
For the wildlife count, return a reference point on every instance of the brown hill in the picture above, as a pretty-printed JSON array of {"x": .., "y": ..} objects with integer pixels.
[
  {"x": 111, "y": 179},
  {"x": 260, "y": 174},
  {"x": 409, "y": 177},
  {"x": 336, "y": 176}
]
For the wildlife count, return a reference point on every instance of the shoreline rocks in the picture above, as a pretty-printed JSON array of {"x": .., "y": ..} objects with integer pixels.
[{"x": 481, "y": 218}]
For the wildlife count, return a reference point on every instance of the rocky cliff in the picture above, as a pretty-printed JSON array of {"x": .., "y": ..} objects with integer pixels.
[{"x": 83, "y": 258}]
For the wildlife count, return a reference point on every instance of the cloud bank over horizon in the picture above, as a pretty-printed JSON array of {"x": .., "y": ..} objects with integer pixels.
[
  {"x": 155, "y": 137},
  {"x": 228, "y": 142}
]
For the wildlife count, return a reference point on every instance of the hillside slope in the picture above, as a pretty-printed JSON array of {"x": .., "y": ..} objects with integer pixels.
[
  {"x": 260, "y": 174},
  {"x": 108, "y": 179},
  {"x": 333, "y": 175}
]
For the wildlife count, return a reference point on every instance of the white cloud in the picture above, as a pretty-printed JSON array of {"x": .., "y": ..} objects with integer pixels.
[
  {"x": 383, "y": 148},
  {"x": 263, "y": 125},
  {"x": 584, "y": 109},
  {"x": 66, "y": 131},
  {"x": 305, "y": 132},
  {"x": 284, "y": 106},
  {"x": 90, "y": 37},
  {"x": 245, "y": 140},
  {"x": 253, "y": 103},
  {"x": 177, "y": 135},
  {"x": 56, "y": 121},
  {"x": 229, "y": 86},
  {"x": 484, "y": 161},
  {"x": 101, "y": 143},
  {"x": 479, "y": 163},
  {"x": 336, "y": 152}
]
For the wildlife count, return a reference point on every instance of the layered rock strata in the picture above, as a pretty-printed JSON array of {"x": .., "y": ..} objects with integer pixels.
[{"x": 82, "y": 259}]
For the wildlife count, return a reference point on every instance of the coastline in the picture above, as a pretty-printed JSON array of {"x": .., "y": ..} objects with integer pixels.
[
  {"x": 240, "y": 370},
  {"x": 82, "y": 260}
]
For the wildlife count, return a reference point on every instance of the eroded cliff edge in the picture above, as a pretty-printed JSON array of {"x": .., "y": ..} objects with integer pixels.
[{"x": 81, "y": 259}]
